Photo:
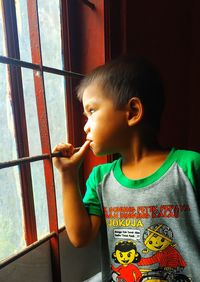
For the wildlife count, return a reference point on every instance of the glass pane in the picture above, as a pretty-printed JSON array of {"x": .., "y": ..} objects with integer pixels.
[
  {"x": 40, "y": 198},
  {"x": 31, "y": 112},
  {"x": 37, "y": 169},
  {"x": 59, "y": 202},
  {"x": 23, "y": 30},
  {"x": 55, "y": 98},
  {"x": 50, "y": 33},
  {"x": 7, "y": 140},
  {"x": 2, "y": 35},
  {"x": 11, "y": 213}
]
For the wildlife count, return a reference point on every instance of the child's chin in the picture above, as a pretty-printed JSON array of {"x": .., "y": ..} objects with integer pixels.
[
  {"x": 101, "y": 153},
  {"x": 98, "y": 151}
]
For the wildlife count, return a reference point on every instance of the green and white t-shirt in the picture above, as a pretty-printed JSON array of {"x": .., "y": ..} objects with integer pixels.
[{"x": 150, "y": 223}]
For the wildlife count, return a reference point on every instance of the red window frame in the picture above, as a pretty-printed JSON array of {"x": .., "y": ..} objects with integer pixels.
[{"x": 15, "y": 78}]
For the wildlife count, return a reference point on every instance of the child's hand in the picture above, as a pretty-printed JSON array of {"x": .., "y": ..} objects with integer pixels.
[{"x": 69, "y": 160}]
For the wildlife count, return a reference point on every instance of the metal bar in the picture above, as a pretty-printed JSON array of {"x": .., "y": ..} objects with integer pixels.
[
  {"x": 62, "y": 72},
  {"x": 33, "y": 159},
  {"x": 24, "y": 160},
  {"x": 16, "y": 90},
  {"x": 19, "y": 63},
  {"x": 16, "y": 62}
]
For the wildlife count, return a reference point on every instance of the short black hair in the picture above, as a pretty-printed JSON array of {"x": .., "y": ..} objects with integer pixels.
[{"x": 127, "y": 77}]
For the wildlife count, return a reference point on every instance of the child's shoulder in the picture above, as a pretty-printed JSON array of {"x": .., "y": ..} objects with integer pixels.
[
  {"x": 105, "y": 168},
  {"x": 99, "y": 171},
  {"x": 187, "y": 159},
  {"x": 187, "y": 155}
]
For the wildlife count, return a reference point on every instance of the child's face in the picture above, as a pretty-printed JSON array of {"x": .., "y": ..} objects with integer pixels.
[{"x": 106, "y": 126}]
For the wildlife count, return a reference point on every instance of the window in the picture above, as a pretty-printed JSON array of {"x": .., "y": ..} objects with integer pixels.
[
  {"x": 40, "y": 44},
  {"x": 34, "y": 106}
]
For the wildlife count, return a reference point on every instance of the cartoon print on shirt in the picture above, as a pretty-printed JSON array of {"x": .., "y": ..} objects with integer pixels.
[
  {"x": 159, "y": 239},
  {"x": 160, "y": 257},
  {"x": 126, "y": 254}
]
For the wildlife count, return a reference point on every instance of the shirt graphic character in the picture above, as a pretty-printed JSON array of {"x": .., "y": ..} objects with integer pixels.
[
  {"x": 159, "y": 238},
  {"x": 126, "y": 254}
]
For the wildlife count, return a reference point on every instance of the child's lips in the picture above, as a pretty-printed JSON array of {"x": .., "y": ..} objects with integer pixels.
[
  {"x": 88, "y": 139},
  {"x": 91, "y": 141},
  {"x": 91, "y": 144}
]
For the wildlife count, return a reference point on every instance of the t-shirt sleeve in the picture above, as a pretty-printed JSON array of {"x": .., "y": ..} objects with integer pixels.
[
  {"x": 195, "y": 172},
  {"x": 91, "y": 199},
  {"x": 190, "y": 163}
]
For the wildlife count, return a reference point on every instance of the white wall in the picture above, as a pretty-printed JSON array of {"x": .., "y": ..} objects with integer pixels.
[
  {"x": 77, "y": 265},
  {"x": 32, "y": 267}
]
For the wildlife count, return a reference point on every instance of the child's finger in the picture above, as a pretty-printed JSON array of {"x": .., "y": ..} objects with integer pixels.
[
  {"x": 83, "y": 149},
  {"x": 66, "y": 150}
]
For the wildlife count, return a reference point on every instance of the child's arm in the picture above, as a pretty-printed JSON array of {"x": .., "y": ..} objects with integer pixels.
[{"x": 81, "y": 227}]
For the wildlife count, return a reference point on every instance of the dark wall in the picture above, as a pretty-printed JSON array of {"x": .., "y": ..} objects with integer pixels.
[{"x": 166, "y": 32}]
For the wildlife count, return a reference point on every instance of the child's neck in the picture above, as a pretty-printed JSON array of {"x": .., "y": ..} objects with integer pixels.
[{"x": 141, "y": 161}]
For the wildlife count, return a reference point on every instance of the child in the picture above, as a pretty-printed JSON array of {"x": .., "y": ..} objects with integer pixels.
[{"x": 147, "y": 186}]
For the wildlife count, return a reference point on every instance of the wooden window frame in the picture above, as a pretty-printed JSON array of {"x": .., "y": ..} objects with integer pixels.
[{"x": 16, "y": 90}]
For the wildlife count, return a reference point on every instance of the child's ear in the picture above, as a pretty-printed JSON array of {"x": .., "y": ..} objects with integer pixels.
[{"x": 135, "y": 111}]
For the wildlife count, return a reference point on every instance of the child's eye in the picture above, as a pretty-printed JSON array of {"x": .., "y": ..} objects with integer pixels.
[
  {"x": 88, "y": 112},
  {"x": 91, "y": 111}
]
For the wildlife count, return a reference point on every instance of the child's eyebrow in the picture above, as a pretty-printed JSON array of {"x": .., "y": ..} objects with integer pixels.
[
  {"x": 86, "y": 107},
  {"x": 85, "y": 110}
]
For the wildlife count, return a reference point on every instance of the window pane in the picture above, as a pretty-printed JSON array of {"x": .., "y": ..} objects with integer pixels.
[
  {"x": 55, "y": 98},
  {"x": 59, "y": 202},
  {"x": 11, "y": 214},
  {"x": 2, "y": 35},
  {"x": 40, "y": 198},
  {"x": 37, "y": 169},
  {"x": 31, "y": 112},
  {"x": 7, "y": 140},
  {"x": 23, "y": 30},
  {"x": 50, "y": 33}
]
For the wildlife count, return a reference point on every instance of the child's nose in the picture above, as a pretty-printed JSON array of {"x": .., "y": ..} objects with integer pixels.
[{"x": 86, "y": 127}]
